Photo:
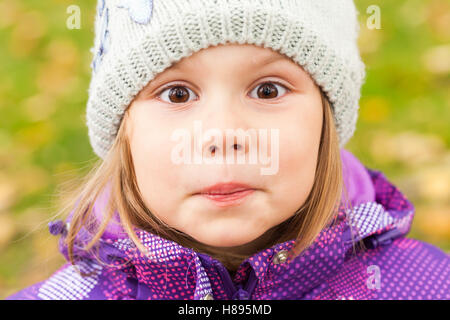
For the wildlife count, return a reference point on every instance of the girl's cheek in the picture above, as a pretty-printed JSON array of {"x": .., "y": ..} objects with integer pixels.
[
  {"x": 156, "y": 177},
  {"x": 298, "y": 144},
  {"x": 152, "y": 151}
]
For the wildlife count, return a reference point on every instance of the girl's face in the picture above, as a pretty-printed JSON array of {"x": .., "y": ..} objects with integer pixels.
[{"x": 226, "y": 87}]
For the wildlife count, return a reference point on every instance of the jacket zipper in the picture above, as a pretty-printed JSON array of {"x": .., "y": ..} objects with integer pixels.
[
  {"x": 382, "y": 239},
  {"x": 239, "y": 293}
]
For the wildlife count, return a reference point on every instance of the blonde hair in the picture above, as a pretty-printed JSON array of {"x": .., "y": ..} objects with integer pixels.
[{"x": 117, "y": 172}]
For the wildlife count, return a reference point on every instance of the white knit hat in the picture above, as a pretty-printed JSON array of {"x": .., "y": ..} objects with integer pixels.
[{"x": 137, "y": 39}]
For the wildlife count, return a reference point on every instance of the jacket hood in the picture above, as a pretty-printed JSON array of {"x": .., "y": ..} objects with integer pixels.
[{"x": 380, "y": 214}]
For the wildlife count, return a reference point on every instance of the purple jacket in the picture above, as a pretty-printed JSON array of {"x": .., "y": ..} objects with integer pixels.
[{"x": 391, "y": 267}]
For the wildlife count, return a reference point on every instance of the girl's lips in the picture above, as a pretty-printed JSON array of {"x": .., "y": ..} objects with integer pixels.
[
  {"x": 227, "y": 194},
  {"x": 225, "y": 188},
  {"x": 230, "y": 199}
]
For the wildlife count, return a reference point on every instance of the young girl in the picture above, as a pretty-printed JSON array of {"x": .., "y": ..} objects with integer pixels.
[{"x": 166, "y": 215}]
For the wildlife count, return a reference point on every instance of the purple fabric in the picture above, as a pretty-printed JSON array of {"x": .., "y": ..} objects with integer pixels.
[
  {"x": 356, "y": 179},
  {"x": 391, "y": 267}
]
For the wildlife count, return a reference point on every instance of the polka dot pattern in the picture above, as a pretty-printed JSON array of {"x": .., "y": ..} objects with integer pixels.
[{"x": 392, "y": 267}]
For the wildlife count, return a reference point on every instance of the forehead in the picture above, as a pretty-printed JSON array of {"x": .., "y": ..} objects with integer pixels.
[{"x": 250, "y": 55}]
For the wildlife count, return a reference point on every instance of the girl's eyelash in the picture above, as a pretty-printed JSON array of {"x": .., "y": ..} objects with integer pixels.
[
  {"x": 276, "y": 82},
  {"x": 170, "y": 87},
  {"x": 273, "y": 82}
]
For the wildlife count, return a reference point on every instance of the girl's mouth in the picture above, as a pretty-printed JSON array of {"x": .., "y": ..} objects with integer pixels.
[
  {"x": 227, "y": 194},
  {"x": 228, "y": 199}
]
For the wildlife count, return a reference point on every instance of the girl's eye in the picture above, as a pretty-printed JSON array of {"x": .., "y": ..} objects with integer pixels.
[
  {"x": 268, "y": 90},
  {"x": 180, "y": 94},
  {"x": 176, "y": 94}
]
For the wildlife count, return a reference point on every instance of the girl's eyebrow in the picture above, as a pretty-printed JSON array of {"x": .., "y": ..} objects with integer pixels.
[
  {"x": 255, "y": 62},
  {"x": 268, "y": 60}
]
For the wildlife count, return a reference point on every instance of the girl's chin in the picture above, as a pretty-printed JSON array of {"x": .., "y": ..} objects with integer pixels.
[{"x": 224, "y": 239}]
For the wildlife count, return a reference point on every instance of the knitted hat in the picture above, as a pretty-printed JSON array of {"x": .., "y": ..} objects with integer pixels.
[{"x": 137, "y": 39}]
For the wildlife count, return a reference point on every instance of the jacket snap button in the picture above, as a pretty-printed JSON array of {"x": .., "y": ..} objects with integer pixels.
[
  {"x": 208, "y": 296},
  {"x": 280, "y": 257}
]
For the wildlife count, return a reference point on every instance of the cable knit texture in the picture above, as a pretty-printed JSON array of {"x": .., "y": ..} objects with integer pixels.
[{"x": 137, "y": 39}]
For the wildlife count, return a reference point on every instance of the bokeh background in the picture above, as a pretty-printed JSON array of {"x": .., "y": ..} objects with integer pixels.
[{"x": 403, "y": 127}]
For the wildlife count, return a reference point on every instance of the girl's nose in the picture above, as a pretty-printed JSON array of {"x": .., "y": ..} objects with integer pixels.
[
  {"x": 226, "y": 147},
  {"x": 213, "y": 148},
  {"x": 225, "y": 144}
]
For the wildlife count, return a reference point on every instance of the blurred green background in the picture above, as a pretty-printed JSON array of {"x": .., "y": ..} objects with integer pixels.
[{"x": 403, "y": 126}]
